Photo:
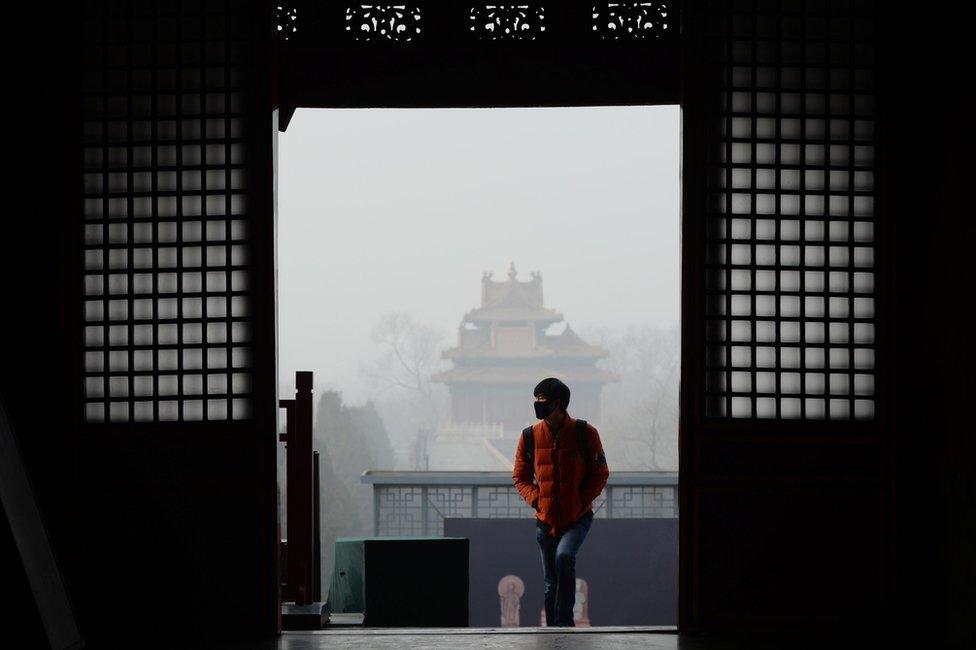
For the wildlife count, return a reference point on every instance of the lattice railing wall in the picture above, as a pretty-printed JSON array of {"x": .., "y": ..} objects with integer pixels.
[{"x": 421, "y": 509}]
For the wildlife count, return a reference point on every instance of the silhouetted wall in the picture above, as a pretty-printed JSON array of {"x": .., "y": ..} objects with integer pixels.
[
  {"x": 630, "y": 566},
  {"x": 929, "y": 148},
  {"x": 162, "y": 533}
]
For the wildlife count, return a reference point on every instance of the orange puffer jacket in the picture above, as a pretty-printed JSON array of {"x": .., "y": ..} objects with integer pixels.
[{"x": 559, "y": 483}]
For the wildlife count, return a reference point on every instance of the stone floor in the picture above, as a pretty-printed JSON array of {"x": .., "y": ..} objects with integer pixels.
[
  {"x": 542, "y": 639},
  {"x": 481, "y": 640}
]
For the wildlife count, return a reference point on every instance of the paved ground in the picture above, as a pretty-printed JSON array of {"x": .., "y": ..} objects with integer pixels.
[
  {"x": 481, "y": 640},
  {"x": 542, "y": 639},
  {"x": 603, "y": 638}
]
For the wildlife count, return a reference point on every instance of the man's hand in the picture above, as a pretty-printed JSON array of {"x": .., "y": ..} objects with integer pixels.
[{"x": 584, "y": 506}]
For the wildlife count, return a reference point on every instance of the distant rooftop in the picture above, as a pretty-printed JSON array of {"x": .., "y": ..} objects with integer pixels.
[
  {"x": 512, "y": 300},
  {"x": 527, "y": 375},
  {"x": 510, "y": 326}
]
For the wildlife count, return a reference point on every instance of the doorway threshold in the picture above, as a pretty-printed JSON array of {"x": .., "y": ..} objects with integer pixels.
[{"x": 460, "y": 631}]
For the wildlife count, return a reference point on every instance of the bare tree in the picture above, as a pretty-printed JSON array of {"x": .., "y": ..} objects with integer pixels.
[
  {"x": 641, "y": 411},
  {"x": 407, "y": 354}
]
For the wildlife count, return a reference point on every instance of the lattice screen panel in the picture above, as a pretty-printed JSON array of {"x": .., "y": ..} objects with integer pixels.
[
  {"x": 167, "y": 334},
  {"x": 790, "y": 301}
]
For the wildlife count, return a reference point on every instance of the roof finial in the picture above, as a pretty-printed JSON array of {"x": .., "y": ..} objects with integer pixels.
[{"x": 511, "y": 271}]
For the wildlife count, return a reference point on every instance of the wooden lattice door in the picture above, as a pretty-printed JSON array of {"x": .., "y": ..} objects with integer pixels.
[{"x": 784, "y": 468}]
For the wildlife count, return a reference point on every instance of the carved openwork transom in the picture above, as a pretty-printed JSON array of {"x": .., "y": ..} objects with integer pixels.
[
  {"x": 286, "y": 21},
  {"x": 510, "y": 22},
  {"x": 631, "y": 20},
  {"x": 399, "y": 23}
]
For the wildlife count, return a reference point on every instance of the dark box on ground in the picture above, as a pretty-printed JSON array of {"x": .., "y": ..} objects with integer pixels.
[{"x": 402, "y": 581}]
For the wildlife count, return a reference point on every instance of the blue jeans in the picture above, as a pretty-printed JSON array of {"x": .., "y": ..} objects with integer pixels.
[{"x": 559, "y": 568}]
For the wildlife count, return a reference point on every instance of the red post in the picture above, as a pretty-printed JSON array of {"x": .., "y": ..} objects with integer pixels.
[
  {"x": 316, "y": 531},
  {"x": 301, "y": 490}
]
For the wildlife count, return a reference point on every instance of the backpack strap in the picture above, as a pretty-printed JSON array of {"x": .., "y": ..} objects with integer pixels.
[
  {"x": 581, "y": 438},
  {"x": 528, "y": 444}
]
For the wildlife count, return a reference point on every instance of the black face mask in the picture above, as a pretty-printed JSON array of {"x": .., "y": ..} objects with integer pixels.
[{"x": 543, "y": 409}]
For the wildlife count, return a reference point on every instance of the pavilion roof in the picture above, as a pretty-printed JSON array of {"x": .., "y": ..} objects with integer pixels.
[
  {"x": 522, "y": 374},
  {"x": 569, "y": 343},
  {"x": 565, "y": 345},
  {"x": 512, "y": 300}
]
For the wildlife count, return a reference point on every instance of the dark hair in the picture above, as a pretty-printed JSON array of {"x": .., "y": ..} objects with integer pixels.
[{"x": 552, "y": 388}]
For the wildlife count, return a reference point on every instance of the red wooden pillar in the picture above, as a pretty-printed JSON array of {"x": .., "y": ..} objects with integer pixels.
[{"x": 300, "y": 477}]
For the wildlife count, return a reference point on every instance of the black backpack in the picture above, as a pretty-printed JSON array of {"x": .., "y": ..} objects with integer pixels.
[{"x": 528, "y": 446}]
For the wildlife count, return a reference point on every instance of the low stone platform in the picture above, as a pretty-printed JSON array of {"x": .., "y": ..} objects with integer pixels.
[{"x": 304, "y": 617}]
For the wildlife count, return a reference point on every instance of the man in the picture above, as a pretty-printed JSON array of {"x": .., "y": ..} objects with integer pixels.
[{"x": 559, "y": 469}]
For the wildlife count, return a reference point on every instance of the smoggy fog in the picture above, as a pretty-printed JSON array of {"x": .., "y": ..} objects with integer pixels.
[{"x": 389, "y": 219}]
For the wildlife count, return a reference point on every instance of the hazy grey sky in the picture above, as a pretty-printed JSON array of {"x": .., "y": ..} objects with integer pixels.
[{"x": 383, "y": 210}]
